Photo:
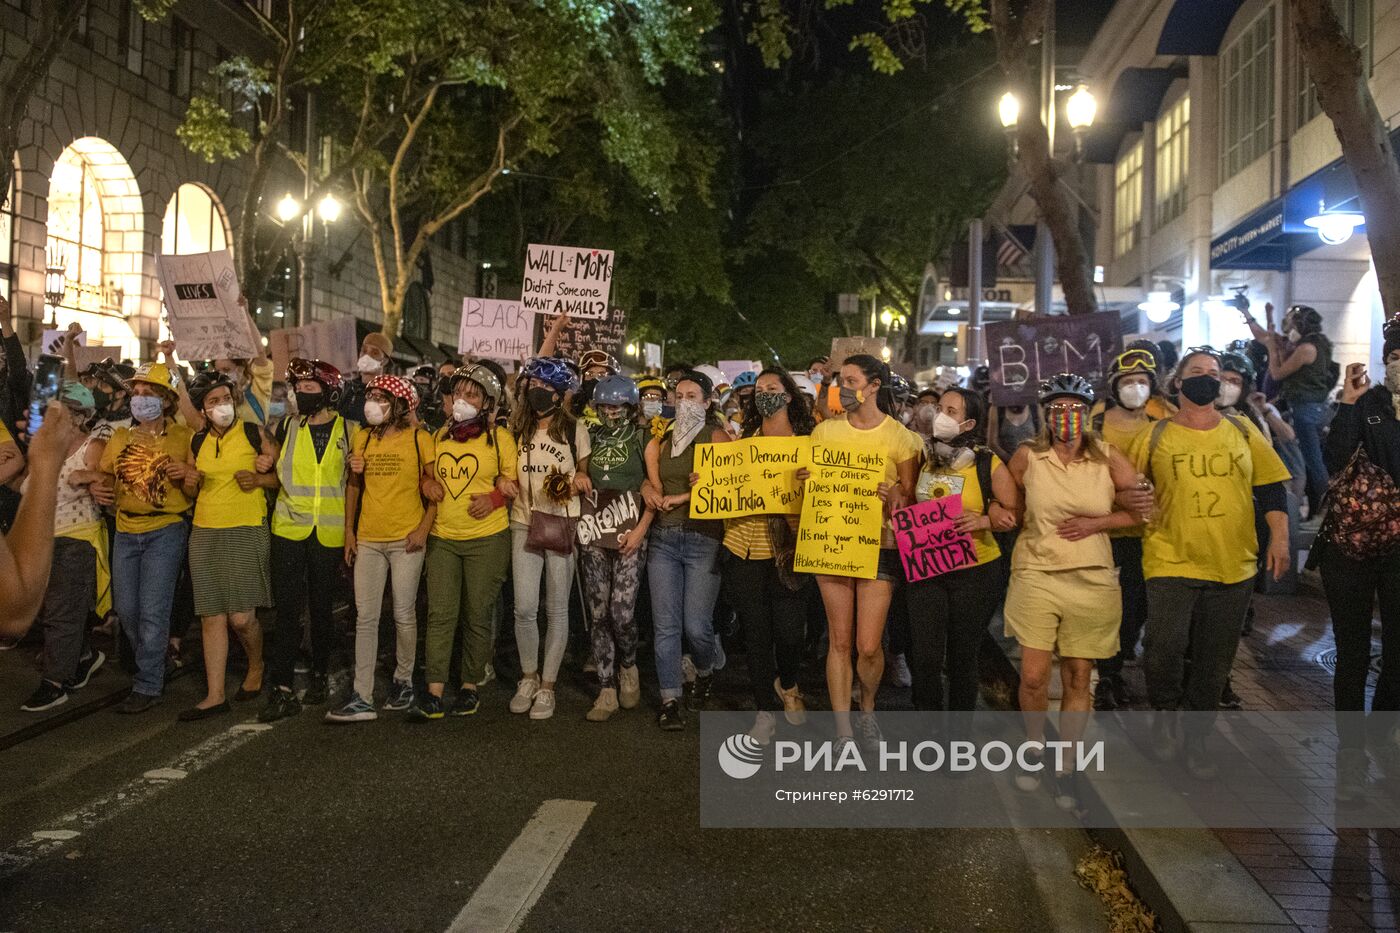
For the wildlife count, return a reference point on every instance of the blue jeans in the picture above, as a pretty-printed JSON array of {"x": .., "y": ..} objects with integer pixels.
[
  {"x": 1309, "y": 420},
  {"x": 685, "y": 583},
  {"x": 145, "y": 569}
]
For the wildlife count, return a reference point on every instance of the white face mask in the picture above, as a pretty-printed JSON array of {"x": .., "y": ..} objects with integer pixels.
[
  {"x": 222, "y": 415},
  {"x": 906, "y": 416},
  {"x": 651, "y": 407},
  {"x": 463, "y": 410},
  {"x": 1133, "y": 397},
  {"x": 1392, "y": 376},
  {"x": 375, "y": 413},
  {"x": 1229, "y": 395},
  {"x": 945, "y": 427},
  {"x": 368, "y": 364},
  {"x": 1295, "y": 335}
]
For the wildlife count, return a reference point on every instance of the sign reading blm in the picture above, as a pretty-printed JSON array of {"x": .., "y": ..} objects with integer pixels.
[
  {"x": 1022, "y": 353},
  {"x": 571, "y": 280}
]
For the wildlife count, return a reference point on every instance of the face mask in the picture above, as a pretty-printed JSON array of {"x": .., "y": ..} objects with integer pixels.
[
  {"x": 308, "y": 403},
  {"x": 1067, "y": 426},
  {"x": 102, "y": 399},
  {"x": 816, "y": 376},
  {"x": 146, "y": 407},
  {"x": 689, "y": 410},
  {"x": 1295, "y": 335},
  {"x": 1133, "y": 397},
  {"x": 905, "y": 417},
  {"x": 277, "y": 409},
  {"x": 375, "y": 413},
  {"x": 652, "y": 407},
  {"x": 1202, "y": 390},
  {"x": 221, "y": 415},
  {"x": 542, "y": 401},
  {"x": 769, "y": 404},
  {"x": 851, "y": 399},
  {"x": 1229, "y": 395},
  {"x": 1392, "y": 376},
  {"x": 368, "y": 364},
  {"x": 945, "y": 426},
  {"x": 463, "y": 410}
]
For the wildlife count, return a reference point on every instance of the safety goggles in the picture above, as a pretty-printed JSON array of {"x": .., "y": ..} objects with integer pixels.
[
  {"x": 1135, "y": 359},
  {"x": 1208, "y": 351},
  {"x": 299, "y": 369}
]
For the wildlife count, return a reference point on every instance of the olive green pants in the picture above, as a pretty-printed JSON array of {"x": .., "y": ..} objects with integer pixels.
[{"x": 464, "y": 582}]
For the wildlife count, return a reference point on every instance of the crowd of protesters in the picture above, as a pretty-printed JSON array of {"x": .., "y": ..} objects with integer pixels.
[{"x": 1149, "y": 511}]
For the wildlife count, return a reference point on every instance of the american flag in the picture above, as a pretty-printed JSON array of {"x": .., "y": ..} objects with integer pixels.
[{"x": 1010, "y": 252}]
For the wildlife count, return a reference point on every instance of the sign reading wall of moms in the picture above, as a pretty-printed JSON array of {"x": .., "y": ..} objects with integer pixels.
[
  {"x": 495, "y": 329},
  {"x": 755, "y": 476},
  {"x": 1025, "y": 352},
  {"x": 201, "y": 295},
  {"x": 569, "y": 280}
]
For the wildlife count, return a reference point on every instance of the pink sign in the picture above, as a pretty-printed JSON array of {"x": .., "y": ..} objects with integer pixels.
[{"x": 928, "y": 543}]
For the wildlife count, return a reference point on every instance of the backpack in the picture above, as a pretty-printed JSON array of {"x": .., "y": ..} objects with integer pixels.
[{"x": 250, "y": 431}]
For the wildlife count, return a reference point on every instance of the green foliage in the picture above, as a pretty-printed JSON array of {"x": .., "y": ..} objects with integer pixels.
[
  {"x": 883, "y": 60},
  {"x": 209, "y": 132},
  {"x": 152, "y": 10}
]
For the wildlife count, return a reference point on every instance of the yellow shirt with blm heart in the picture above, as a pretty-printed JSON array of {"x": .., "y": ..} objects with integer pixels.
[{"x": 467, "y": 469}]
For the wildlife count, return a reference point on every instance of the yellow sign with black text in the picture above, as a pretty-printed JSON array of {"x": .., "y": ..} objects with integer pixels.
[
  {"x": 842, "y": 514},
  {"x": 753, "y": 476}
]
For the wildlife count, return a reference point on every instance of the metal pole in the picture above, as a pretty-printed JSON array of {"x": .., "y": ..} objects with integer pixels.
[
  {"x": 974, "y": 292},
  {"x": 307, "y": 217},
  {"x": 1044, "y": 246}
]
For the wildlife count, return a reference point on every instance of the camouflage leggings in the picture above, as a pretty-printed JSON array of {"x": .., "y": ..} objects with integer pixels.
[{"x": 611, "y": 582}]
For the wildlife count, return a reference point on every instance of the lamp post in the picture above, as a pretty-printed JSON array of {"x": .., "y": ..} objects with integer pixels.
[
  {"x": 55, "y": 287},
  {"x": 289, "y": 210}
]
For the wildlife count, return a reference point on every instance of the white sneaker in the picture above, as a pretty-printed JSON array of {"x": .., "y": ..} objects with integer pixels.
[
  {"x": 487, "y": 677},
  {"x": 525, "y": 692},
  {"x": 543, "y": 707},
  {"x": 629, "y": 692}
]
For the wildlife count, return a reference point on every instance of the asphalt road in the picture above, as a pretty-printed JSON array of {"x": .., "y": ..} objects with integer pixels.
[{"x": 395, "y": 826}]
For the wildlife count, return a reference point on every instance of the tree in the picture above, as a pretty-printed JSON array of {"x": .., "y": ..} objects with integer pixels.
[{"x": 1335, "y": 64}]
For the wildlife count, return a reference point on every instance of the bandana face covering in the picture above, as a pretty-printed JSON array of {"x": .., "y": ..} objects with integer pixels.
[
  {"x": 690, "y": 418},
  {"x": 769, "y": 404},
  {"x": 1067, "y": 425}
]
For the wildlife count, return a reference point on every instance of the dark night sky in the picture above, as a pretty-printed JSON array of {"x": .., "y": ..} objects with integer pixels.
[{"x": 1077, "y": 20}]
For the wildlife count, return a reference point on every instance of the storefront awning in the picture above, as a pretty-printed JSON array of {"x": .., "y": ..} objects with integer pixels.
[
  {"x": 1196, "y": 27},
  {"x": 1135, "y": 99}
]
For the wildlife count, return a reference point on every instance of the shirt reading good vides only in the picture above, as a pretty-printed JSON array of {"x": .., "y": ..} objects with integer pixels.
[{"x": 467, "y": 469}]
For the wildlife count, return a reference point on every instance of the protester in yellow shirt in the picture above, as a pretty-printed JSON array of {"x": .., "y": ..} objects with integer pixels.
[
  {"x": 1209, "y": 473},
  {"x": 474, "y": 477}
]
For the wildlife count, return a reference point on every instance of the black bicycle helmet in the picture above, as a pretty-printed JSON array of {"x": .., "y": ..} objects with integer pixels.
[
  {"x": 981, "y": 380},
  {"x": 1066, "y": 385},
  {"x": 1231, "y": 361},
  {"x": 902, "y": 389},
  {"x": 207, "y": 381}
]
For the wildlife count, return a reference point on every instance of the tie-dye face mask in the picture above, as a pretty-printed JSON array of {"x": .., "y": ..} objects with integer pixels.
[{"x": 1066, "y": 424}]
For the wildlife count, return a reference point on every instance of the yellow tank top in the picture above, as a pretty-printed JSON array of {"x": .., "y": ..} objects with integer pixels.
[
  {"x": 221, "y": 503},
  {"x": 1056, "y": 491}
]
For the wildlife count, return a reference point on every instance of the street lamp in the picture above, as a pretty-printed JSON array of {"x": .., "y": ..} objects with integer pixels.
[
  {"x": 1335, "y": 227},
  {"x": 1080, "y": 110},
  {"x": 1159, "y": 306},
  {"x": 55, "y": 286},
  {"x": 329, "y": 209},
  {"x": 887, "y": 317},
  {"x": 632, "y": 349},
  {"x": 1009, "y": 110},
  {"x": 288, "y": 209}
]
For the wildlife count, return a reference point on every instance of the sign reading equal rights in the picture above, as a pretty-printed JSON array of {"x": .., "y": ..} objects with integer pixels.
[{"x": 841, "y": 514}]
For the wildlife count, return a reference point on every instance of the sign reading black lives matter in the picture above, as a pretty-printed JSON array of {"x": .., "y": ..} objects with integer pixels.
[
  {"x": 201, "y": 295},
  {"x": 604, "y": 333},
  {"x": 1025, "y": 352},
  {"x": 569, "y": 280}
]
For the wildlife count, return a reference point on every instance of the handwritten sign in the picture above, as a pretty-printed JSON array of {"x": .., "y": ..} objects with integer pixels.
[
  {"x": 569, "y": 280},
  {"x": 733, "y": 368},
  {"x": 757, "y": 476},
  {"x": 928, "y": 542},
  {"x": 332, "y": 341},
  {"x": 842, "y": 516},
  {"x": 605, "y": 333},
  {"x": 201, "y": 296},
  {"x": 1024, "y": 352},
  {"x": 495, "y": 329},
  {"x": 842, "y": 348},
  {"x": 84, "y": 357},
  {"x": 605, "y": 514},
  {"x": 52, "y": 340}
]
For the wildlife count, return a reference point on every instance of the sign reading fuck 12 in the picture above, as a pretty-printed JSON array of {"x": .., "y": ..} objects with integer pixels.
[
  {"x": 842, "y": 515},
  {"x": 571, "y": 280}
]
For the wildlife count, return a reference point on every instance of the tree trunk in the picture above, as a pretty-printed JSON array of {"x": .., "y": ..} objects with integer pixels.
[{"x": 1345, "y": 96}]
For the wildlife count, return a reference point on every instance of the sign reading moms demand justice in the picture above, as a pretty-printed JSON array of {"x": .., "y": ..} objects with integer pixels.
[
  {"x": 755, "y": 476},
  {"x": 1025, "y": 352},
  {"x": 201, "y": 295},
  {"x": 928, "y": 543},
  {"x": 569, "y": 280},
  {"x": 841, "y": 515},
  {"x": 604, "y": 333},
  {"x": 494, "y": 329}
]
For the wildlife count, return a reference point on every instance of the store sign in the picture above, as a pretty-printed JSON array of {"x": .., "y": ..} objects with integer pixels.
[{"x": 1247, "y": 238}]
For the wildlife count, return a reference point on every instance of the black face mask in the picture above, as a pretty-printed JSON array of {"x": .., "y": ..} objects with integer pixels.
[
  {"x": 1201, "y": 390},
  {"x": 542, "y": 401},
  {"x": 308, "y": 403},
  {"x": 102, "y": 399}
]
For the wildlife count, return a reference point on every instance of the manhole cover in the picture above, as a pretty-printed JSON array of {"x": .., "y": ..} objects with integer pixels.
[{"x": 1327, "y": 660}]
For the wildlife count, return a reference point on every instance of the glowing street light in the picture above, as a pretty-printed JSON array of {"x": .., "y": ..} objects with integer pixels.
[
  {"x": 288, "y": 209},
  {"x": 1159, "y": 306},
  {"x": 1081, "y": 108},
  {"x": 329, "y": 209},
  {"x": 1009, "y": 110},
  {"x": 1335, "y": 227}
]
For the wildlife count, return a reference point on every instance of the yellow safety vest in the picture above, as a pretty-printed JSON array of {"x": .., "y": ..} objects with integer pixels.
[{"x": 313, "y": 492}]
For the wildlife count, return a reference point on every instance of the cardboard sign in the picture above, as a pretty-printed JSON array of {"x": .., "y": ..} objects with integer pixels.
[
  {"x": 332, "y": 341},
  {"x": 607, "y": 333},
  {"x": 1025, "y": 352},
  {"x": 732, "y": 368},
  {"x": 569, "y": 280},
  {"x": 83, "y": 357},
  {"x": 494, "y": 329},
  {"x": 928, "y": 542},
  {"x": 201, "y": 296},
  {"x": 842, "y": 348},
  {"x": 841, "y": 513},
  {"x": 757, "y": 476},
  {"x": 605, "y": 514},
  {"x": 52, "y": 341}
]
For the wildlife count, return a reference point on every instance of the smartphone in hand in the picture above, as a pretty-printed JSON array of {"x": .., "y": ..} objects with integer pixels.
[{"x": 48, "y": 380}]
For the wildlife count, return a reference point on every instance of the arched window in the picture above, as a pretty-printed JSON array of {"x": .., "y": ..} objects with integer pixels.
[
  {"x": 76, "y": 233},
  {"x": 194, "y": 223},
  {"x": 7, "y": 239}
]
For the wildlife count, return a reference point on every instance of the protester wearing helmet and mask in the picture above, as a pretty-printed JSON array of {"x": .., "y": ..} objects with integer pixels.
[
  {"x": 1063, "y": 597},
  {"x": 227, "y": 470},
  {"x": 376, "y": 353},
  {"x": 651, "y": 396},
  {"x": 593, "y": 365},
  {"x": 612, "y": 572},
  {"x": 474, "y": 478},
  {"x": 1199, "y": 550}
]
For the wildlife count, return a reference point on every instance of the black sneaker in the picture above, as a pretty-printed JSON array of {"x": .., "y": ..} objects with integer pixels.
[
  {"x": 315, "y": 694},
  {"x": 426, "y": 707},
  {"x": 281, "y": 703},
  {"x": 136, "y": 703},
  {"x": 1229, "y": 699},
  {"x": 1104, "y": 698},
  {"x": 1121, "y": 696},
  {"x": 47, "y": 696},
  {"x": 700, "y": 693},
  {"x": 467, "y": 702},
  {"x": 670, "y": 717},
  {"x": 86, "y": 668}
]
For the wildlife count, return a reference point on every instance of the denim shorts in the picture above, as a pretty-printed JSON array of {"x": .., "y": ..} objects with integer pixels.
[{"x": 889, "y": 567}]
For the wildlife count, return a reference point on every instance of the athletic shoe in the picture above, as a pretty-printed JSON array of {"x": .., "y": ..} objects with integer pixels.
[
  {"x": 1166, "y": 735},
  {"x": 1121, "y": 696},
  {"x": 400, "y": 695},
  {"x": 86, "y": 668},
  {"x": 1105, "y": 699},
  {"x": 425, "y": 707},
  {"x": 1351, "y": 775},
  {"x": 870, "y": 734},
  {"x": 467, "y": 702},
  {"x": 1229, "y": 699},
  {"x": 1028, "y": 780},
  {"x": 315, "y": 694},
  {"x": 589, "y": 666},
  {"x": 543, "y": 707},
  {"x": 136, "y": 703},
  {"x": 688, "y": 671},
  {"x": 629, "y": 692},
  {"x": 794, "y": 709},
  {"x": 700, "y": 693},
  {"x": 1200, "y": 763},
  {"x": 524, "y": 699},
  {"x": 356, "y": 710},
  {"x": 897, "y": 672},
  {"x": 670, "y": 718},
  {"x": 488, "y": 676},
  {"x": 47, "y": 696},
  {"x": 1066, "y": 791},
  {"x": 604, "y": 706},
  {"x": 281, "y": 703}
]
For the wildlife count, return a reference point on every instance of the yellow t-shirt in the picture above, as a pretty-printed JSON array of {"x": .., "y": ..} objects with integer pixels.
[
  {"x": 1203, "y": 524},
  {"x": 898, "y": 443},
  {"x": 146, "y": 498},
  {"x": 390, "y": 504},
  {"x": 1122, "y": 441},
  {"x": 220, "y": 502},
  {"x": 5, "y": 436},
  {"x": 935, "y": 484},
  {"x": 259, "y": 388},
  {"x": 466, "y": 469}
]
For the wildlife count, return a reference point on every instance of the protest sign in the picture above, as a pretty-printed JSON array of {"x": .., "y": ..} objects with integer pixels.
[
  {"x": 52, "y": 340},
  {"x": 605, "y": 514},
  {"x": 605, "y": 333},
  {"x": 843, "y": 348},
  {"x": 1024, "y": 352},
  {"x": 732, "y": 368},
  {"x": 332, "y": 341},
  {"x": 83, "y": 357},
  {"x": 201, "y": 296},
  {"x": 569, "y": 280},
  {"x": 495, "y": 329},
  {"x": 928, "y": 542},
  {"x": 841, "y": 514},
  {"x": 755, "y": 476}
]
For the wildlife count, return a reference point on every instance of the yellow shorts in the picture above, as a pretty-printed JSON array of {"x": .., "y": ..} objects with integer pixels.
[{"x": 1075, "y": 613}]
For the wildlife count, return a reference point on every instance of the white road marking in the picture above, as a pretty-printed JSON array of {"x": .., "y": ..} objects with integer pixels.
[
  {"x": 523, "y": 872},
  {"x": 56, "y": 835},
  {"x": 165, "y": 774}
]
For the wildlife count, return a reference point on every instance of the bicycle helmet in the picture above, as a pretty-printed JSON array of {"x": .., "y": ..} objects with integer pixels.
[
  {"x": 1066, "y": 385},
  {"x": 483, "y": 377},
  {"x": 1306, "y": 319},
  {"x": 1132, "y": 361},
  {"x": 552, "y": 371},
  {"x": 1231, "y": 361},
  {"x": 398, "y": 387},
  {"x": 901, "y": 388},
  {"x": 318, "y": 371},
  {"x": 1390, "y": 336},
  {"x": 981, "y": 379},
  {"x": 804, "y": 384},
  {"x": 616, "y": 390},
  {"x": 590, "y": 358},
  {"x": 745, "y": 380},
  {"x": 204, "y": 383},
  {"x": 651, "y": 384}
]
